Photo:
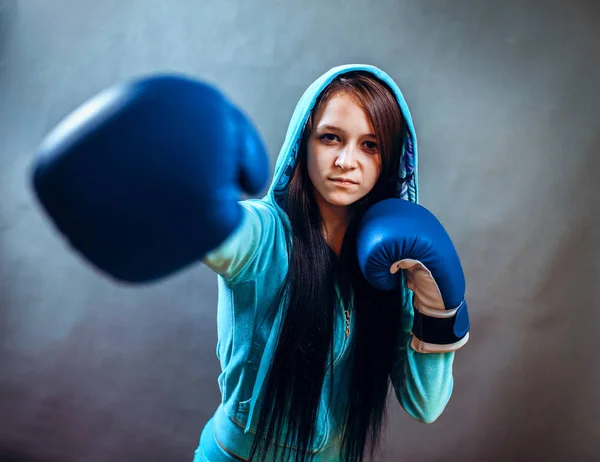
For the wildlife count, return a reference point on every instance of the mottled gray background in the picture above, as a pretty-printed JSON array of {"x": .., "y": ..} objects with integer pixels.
[{"x": 505, "y": 96}]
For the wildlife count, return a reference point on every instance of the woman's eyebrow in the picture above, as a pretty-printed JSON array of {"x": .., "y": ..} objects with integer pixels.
[{"x": 338, "y": 129}]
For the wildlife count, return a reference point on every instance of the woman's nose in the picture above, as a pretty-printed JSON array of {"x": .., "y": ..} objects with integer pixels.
[{"x": 346, "y": 158}]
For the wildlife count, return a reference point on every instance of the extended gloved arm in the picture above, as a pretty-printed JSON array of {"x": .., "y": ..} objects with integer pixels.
[{"x": 144, "y": 179}]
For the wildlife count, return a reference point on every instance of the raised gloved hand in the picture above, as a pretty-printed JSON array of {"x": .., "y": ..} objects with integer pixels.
[
  {"x": 397, "y": 234},
  {"x": 144, "y": 178}
]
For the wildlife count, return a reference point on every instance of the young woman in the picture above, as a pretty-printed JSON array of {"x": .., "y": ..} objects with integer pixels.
[
  {"x": 314, "y": 320},
  {"x": 307, "y": 347}
]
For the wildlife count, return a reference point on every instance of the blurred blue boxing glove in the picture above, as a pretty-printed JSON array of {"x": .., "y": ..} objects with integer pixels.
[
  {"x": 144, "y": 178},
  {"x": 396, "y": 234}
]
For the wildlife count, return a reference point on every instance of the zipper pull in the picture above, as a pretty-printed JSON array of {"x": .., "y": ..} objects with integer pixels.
[{"x": 347, "y": 313}]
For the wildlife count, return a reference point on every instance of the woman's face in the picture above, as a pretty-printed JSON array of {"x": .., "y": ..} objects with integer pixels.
[{"x": 344, "y": 161}]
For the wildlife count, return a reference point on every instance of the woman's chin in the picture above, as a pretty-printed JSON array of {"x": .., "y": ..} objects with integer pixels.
[{"x": 337, "y": 200}]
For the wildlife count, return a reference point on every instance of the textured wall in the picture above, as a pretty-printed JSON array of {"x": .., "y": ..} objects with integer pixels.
[{"x": 505, "y": 98}]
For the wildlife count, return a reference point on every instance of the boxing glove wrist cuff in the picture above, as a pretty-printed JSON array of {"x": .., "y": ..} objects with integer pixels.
[
  {"x": 441, "y": 332},
  {"x": 423, "y": 347}
]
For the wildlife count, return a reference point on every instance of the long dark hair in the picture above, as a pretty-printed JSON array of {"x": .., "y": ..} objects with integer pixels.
[{"x": 304, "y": 353}]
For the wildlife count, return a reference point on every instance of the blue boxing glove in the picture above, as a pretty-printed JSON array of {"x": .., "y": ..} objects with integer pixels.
[
  {"x": 144, "y": 179},
  {"x": 396, "y": 234}
]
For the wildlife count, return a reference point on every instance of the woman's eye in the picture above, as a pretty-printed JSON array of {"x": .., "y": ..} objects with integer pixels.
[
  {"x": 328, "y": 137},
  {"x": 371, "y": 145}
]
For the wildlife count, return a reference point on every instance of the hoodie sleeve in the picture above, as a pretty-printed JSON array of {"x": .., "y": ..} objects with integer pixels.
[
  {"x": 249, "y": 246},
  {"x": 422, "y": 382}
]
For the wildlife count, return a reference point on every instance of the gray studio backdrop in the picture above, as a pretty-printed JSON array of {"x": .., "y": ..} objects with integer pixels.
[{"x": 505, "y": 97}]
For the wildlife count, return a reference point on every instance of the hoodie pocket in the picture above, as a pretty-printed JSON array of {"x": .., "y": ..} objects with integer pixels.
[{"x": 247, "y": 381}]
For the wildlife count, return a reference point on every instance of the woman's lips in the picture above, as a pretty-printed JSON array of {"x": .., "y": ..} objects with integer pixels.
[{"x": 343, "y": 181}]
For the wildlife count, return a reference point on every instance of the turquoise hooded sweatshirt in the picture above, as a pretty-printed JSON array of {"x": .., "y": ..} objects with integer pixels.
[{"x": 251, "y": 266}]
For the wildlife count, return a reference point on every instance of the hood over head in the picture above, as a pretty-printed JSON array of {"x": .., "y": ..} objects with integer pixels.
[{"x": 408, "y": 180}]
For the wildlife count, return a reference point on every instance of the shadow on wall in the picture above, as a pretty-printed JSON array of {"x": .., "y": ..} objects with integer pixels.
[{"x": 10, "y": 455}]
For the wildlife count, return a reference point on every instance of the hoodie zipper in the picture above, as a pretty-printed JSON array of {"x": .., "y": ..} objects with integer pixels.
[{"x": 344, "y": 346}]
